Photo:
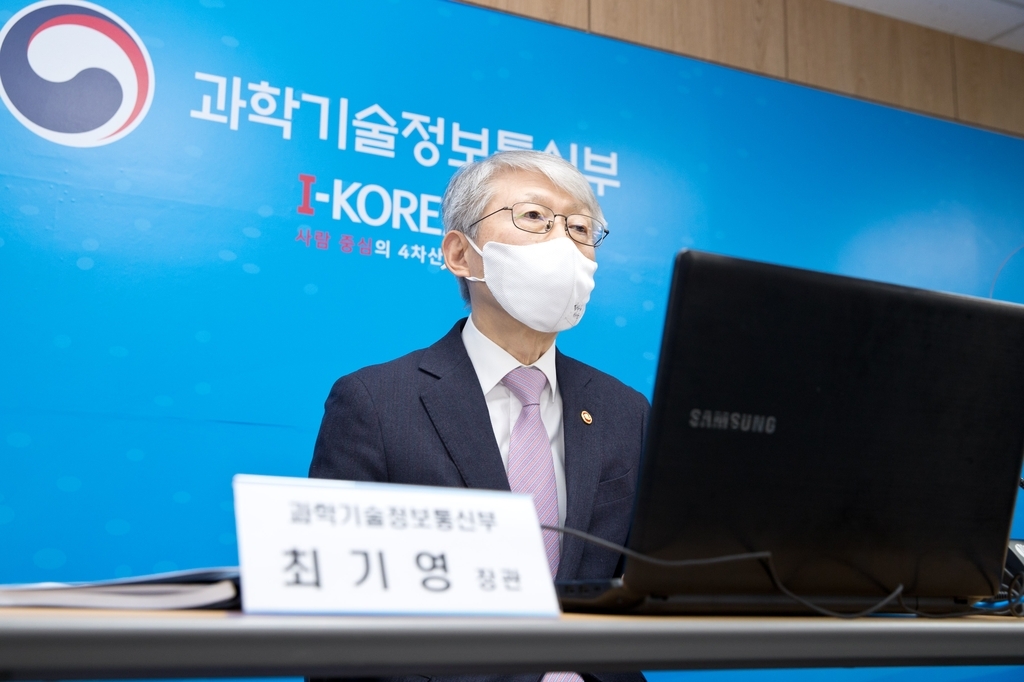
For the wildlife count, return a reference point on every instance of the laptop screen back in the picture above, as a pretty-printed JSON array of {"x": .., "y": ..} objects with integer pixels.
[{"x": 867, "y": 434}]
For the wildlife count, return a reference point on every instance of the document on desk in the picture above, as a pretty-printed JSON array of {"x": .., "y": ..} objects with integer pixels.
[
  {"x": 321, "y": 546},
  {"x": 190, "y": 589}
]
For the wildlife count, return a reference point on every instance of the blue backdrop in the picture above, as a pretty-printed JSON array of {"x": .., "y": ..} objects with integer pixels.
[{"x": 175, "y": 304}]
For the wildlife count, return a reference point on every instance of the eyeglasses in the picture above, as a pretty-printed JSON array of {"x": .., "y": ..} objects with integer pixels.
[{"x": 529, "y": 217}]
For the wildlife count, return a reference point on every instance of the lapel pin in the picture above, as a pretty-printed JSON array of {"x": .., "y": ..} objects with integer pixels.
[{"x": 587, "y": 419}]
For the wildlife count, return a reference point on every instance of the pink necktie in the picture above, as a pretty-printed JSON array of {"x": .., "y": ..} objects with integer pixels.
[{"x": 530, "y": 469}]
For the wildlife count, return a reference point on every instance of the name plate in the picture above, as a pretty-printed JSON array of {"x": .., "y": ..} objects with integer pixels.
[{"x": 345, "y": 547}]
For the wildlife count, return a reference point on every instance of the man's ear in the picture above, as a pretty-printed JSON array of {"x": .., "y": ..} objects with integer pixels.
[{"x": 456, "y": 251}]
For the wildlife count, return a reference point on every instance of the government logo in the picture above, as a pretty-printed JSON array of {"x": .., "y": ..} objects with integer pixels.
[{"x": 74, "y": 73}]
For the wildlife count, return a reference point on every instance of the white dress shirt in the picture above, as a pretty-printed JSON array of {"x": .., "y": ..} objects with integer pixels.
[{"x": 492, "y": 363}]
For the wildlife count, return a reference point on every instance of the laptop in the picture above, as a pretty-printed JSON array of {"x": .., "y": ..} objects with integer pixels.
[{"x": 868, "y": 435}]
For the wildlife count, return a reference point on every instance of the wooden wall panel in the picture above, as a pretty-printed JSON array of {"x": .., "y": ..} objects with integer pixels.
[
  {"x": 572, "y": 13},
  {"x": 815, "y": 42},
  {"x": 849, "y": 50},
  {"x": 648, "y": 22},
  {"x": 749, "y": 34},
  {"x": 990, "y": 85}
]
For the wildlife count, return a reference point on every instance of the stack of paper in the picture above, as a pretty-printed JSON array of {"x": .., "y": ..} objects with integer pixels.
[{"x": 192, "y": 589}]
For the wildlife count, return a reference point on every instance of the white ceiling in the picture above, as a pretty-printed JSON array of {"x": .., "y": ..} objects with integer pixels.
[{"x": 999, "y": 22}]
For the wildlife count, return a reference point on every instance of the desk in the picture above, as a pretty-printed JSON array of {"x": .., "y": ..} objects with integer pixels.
[{"x": 67, "y": 644}]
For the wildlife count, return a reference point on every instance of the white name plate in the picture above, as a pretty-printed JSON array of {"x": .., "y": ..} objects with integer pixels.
[{"x": 324, "y": 546}]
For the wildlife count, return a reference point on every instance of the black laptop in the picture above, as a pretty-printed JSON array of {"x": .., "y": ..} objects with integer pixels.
[{"x": 868, "y": 435}]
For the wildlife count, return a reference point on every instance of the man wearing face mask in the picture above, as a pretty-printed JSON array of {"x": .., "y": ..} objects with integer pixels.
[{"x": 494, "y": 404}]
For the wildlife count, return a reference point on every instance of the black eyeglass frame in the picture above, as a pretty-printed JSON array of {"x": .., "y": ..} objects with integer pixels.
[{"x": 551, "y": 223}]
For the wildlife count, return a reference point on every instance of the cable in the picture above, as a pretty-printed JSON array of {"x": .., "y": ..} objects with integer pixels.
[
  {"x": 1015, "y": 590},
  {"x": 1014, "y": 605},
  {"x": 765, "y": 557},
  {"x": 1014, "y": 601},
  {"x": 601, "y": 542},
  {"x": 992, "y": 289}
]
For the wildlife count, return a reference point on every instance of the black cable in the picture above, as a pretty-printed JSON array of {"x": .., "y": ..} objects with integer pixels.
[
  {"x": 601, "y": 542},
  {"x": 999, "y": 271},
  {"x": 765, "y": 557},
  {"x": 1015, "y": 605},
  {"x": 1014, "y": 591}
]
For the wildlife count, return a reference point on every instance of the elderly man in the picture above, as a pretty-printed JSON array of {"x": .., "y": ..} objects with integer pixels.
[{"x": 494, "y": 404}]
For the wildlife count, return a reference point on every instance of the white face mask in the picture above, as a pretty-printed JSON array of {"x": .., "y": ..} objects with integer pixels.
[{"x": 545, "y": 285}]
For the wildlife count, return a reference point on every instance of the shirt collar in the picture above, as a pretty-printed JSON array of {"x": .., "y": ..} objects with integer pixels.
[{"x": 492, "y": 362}]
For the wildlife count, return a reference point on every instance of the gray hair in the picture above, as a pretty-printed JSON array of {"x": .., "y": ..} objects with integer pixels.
[{"x": 471, "y": 189}]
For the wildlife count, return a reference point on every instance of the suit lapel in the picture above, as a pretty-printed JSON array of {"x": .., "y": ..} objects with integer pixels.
[
  {"x": 458, "y": 410},
  {"x": 582, "y": 460}
]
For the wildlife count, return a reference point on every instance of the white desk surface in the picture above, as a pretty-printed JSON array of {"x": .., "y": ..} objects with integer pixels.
[{"x": 83, "y": 644}]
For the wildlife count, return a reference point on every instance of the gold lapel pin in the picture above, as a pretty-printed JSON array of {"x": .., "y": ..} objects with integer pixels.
[{"x": 587, "y": 419}]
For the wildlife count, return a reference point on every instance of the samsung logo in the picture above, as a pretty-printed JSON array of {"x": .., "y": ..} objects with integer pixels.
[{"x": 732, "y": 421}]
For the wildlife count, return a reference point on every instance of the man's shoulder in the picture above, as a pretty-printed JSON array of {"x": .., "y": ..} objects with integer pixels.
[
  {"x": 397, "y": 369},
  {"x": 599, "y": 382},
  {"x": 407, "y": 368}
]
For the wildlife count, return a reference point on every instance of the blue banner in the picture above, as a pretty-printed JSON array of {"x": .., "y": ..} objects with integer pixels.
[{"x": 211, "y": 210}]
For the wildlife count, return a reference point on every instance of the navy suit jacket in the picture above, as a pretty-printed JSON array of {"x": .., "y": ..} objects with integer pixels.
[{"x": 422, "y": 419}]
